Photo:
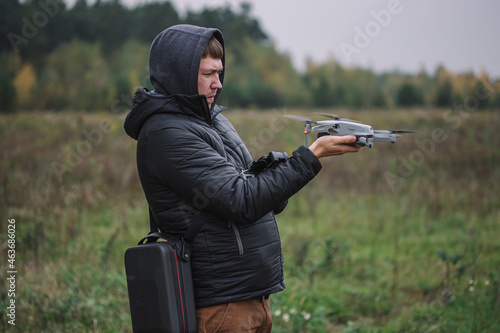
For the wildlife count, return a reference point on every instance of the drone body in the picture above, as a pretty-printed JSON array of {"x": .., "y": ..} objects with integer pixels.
[{"x": 365, "y": 135}]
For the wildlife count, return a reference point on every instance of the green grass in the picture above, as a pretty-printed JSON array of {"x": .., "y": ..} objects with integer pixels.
[{"x": 397, "y": 238}]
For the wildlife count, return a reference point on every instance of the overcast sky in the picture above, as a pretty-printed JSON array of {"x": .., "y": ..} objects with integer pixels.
[{"x": 408, "y": 35}]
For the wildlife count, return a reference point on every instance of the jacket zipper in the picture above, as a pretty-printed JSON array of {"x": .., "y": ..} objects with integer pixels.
[{"x": 238, "y": 238}]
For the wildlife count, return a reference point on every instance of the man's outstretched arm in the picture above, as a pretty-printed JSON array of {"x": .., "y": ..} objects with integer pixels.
[{"x": 330, "y": 145}]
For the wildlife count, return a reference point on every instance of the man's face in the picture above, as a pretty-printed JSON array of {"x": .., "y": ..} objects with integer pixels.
[{"x": 208, "y": 78}]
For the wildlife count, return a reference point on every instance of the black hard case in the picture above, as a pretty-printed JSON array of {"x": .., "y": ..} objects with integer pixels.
[{"x": 160, "y": 285}]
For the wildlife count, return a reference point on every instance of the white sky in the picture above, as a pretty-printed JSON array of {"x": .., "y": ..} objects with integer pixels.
[{"x": 408, "y": 35}]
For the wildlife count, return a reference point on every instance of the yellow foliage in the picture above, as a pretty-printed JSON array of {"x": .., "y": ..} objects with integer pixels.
[
  {"x": 14, "y": 62},
  {"x": 23, "y": 82},
  {"x": 442, "y": 75}
]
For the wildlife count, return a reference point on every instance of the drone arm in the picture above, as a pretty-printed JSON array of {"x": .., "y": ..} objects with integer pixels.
[{"x": 384, "y": 138}]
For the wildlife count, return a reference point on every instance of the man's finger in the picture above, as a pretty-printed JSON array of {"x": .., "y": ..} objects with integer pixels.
[{"x": 349, "y": 138}]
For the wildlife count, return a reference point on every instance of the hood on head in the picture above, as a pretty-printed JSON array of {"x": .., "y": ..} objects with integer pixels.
[{"x": 175, "y": 56}]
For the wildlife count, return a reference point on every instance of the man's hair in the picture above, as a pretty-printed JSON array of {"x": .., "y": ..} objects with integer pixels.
[{"x": 214, "y": 49}]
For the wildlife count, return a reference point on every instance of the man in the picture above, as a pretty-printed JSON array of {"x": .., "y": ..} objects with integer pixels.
[{"x": 190, "y": 158}]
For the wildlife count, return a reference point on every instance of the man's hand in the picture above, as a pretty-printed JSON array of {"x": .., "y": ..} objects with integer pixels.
[{"x": 330, "y": 145}]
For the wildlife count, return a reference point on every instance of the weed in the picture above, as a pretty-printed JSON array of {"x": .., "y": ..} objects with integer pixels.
[{"x": 359, "y": 257}]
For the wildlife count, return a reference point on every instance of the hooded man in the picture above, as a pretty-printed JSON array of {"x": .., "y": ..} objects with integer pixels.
[{"x": 190, "y": 158}]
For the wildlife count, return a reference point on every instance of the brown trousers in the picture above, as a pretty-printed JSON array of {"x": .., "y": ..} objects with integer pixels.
[{"x": 251, "y": 315}]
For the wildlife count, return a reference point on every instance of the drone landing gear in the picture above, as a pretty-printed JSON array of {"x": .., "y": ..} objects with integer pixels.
[{"x": 362, "y": 141}]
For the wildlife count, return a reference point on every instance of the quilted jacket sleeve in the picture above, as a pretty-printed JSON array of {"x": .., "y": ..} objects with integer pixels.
[{"x": 190, "y": 160}]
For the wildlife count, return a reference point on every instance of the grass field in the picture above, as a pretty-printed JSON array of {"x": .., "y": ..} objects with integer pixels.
[{"x": 397, "y": 238}]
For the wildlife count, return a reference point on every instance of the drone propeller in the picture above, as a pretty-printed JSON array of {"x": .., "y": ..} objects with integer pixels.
[
  {"x": 307, "y": 127},
  {"x": 333, "y": 116},
  {"x": 298, "y": 118}
]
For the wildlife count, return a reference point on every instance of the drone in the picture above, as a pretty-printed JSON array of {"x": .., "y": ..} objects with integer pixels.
[{"x": 365, "y": 134}]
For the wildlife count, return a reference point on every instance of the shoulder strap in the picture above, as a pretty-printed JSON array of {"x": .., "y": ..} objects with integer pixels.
[
  {"x": 195, "y": 227},
  {"x": 152, "y": 224},
  {"x": 192, "y": 231}
]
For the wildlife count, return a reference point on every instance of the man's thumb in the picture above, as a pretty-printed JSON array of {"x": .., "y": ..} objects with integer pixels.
[{"x": 349, "y": 138}]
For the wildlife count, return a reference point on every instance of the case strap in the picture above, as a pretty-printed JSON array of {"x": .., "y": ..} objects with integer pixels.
[
  {"x": 185, "y": 250},
  {"x": 152, "y": 224},
  {"x": 190, "y": 234}
]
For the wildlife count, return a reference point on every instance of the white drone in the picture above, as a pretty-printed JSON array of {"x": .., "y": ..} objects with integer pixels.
[{"x": 365, "y": 134}]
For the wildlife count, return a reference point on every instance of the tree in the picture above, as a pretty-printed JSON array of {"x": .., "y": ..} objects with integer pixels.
[
  {"x": 109, "y": 24},
  {"x": 256, "y": 75},
  {"x": 9, "y": 63},
  {"x": 320, "y": 93},
  {"x": 379, "y": 100},
  {"x": 24, "y": 82},
  {"x": 409, "y": 95},
  {"x": 152, "y": 18},
  {"x": 7, "y": 91},
  {"x": 11, "y": 24},
  {"x": 444, "y": 95},
  {"x": 235, "y": 25},
  {"x": 75, "y": 76}
]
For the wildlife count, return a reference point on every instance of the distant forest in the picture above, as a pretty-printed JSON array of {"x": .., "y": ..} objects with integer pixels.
[{"x": 93, "y": 57}]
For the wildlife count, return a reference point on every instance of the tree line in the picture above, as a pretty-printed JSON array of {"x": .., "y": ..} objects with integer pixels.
[{"x": 94, "y": 56}]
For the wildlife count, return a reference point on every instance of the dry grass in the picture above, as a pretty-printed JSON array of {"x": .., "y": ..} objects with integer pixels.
[{"x": 370, "y": 244}]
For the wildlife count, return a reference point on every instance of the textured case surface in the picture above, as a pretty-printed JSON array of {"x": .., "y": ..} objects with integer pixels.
[{"x": 160, "y": 288}]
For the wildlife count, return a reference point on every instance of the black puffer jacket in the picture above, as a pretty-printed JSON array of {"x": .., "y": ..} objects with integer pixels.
[{"x": 190, "y": 157}]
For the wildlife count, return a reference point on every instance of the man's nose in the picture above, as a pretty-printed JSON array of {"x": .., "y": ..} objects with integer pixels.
[{"x": 216, "y": 84}]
